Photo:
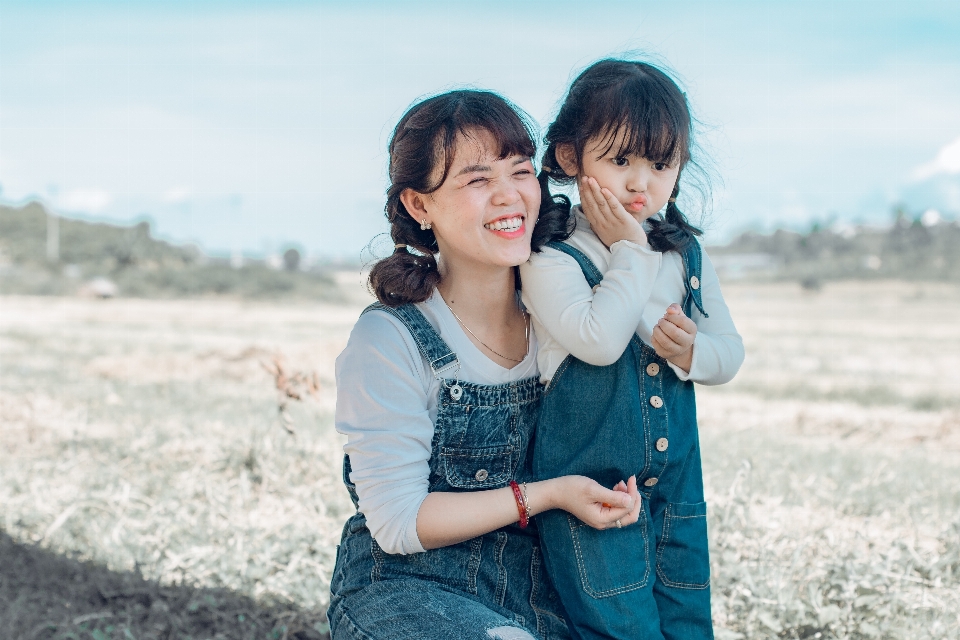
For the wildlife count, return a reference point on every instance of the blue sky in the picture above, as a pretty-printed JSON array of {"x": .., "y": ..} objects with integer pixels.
[{"x": 255, "y": 125}]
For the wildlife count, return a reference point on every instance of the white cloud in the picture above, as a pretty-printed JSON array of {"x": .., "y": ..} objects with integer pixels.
[
  {"x": 177, "y": 195},
  {"x": 85, "y": 200},
  {"x": 947, "y": 161}
]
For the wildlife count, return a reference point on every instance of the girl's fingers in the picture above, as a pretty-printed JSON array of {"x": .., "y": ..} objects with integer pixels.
[{"x": 673, "y": 332}]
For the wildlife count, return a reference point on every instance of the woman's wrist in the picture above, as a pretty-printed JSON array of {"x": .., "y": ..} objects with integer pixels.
[{"x": 541, "y": 496}]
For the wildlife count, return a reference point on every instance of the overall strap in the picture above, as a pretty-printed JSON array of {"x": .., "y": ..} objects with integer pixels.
[
  {"x": 590, "y": 271},
  {"x": 441, "y": 357},
  {"x": 692, "y": 266}
]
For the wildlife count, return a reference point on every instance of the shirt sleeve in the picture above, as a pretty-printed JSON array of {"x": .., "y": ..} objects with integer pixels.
[
  {"x": 382, "y": 409},
  {"x": 717, "y": 348},
  {"x": 595, "y": 327}
]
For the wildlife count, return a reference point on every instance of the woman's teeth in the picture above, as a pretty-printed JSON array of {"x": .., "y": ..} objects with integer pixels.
[{"x": 505, "y": 224}]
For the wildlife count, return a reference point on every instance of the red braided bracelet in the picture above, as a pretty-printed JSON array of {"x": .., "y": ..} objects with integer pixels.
[{"x": 521, "y": 503}]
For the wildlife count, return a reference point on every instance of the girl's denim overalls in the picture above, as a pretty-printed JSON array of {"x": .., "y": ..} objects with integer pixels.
[
  {"x": 491, "y": 587},
  {"x": 649, "y": 580}
]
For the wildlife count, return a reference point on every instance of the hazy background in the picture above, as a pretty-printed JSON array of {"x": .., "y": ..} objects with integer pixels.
[{"x": 252, "y": 126}]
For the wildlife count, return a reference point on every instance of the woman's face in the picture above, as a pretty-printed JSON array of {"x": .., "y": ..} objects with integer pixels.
[{"x": 485, "y": 211}]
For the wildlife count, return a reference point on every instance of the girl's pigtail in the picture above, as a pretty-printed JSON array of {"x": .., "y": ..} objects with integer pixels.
[
  {"x": 554, "y": 223},
  {"x": 673, "y": 232}
]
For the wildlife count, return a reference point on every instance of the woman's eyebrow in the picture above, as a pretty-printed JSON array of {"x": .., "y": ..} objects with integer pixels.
[{"x": 473, "y": 168}]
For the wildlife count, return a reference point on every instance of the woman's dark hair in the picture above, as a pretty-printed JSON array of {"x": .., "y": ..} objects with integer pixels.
[
  {"x": 423, "y": 141},
  {"x": 641, "y": 110}
]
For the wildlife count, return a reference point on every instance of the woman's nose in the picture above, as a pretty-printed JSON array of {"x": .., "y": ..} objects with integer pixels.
[{"x": 506, "y": 193}]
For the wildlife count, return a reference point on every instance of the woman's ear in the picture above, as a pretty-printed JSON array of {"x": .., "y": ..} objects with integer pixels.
[
  {"x": 413, "y": 202},
  {"x": 567, "y": 158}
]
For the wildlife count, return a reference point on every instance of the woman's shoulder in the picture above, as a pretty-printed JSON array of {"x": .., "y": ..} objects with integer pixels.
[{"x": 380, "y": 338}]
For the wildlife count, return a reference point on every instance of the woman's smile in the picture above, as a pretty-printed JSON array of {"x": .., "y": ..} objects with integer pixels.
[{"x": 507, "y": 226}]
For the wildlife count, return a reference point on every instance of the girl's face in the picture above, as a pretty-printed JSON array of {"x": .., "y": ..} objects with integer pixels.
[
  {"x": 485, "y": 211},
  {"x": 642, "y": 186}
]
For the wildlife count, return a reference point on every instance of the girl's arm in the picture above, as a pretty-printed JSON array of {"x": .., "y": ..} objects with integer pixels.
[
  {"x": 595, "y": 327},
  {"x": 717, "y": 348},
  {"x": 382, "y": 408}
]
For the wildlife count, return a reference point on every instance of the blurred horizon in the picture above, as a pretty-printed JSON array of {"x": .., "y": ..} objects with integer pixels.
[{"x": 256, "y": 126}]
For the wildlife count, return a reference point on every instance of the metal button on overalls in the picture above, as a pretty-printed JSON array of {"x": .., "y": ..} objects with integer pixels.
[{"x": 481, "y": 475}]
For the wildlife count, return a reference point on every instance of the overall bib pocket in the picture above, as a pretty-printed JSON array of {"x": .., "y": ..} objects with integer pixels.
[
  {"x": 611, "y": 561},
  {"x": 477, "y": 467},
  {"x": 683, "y": 559}
]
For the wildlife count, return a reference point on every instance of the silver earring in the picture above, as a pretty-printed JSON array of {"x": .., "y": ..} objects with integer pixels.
[{"x": 424, "y": 225}]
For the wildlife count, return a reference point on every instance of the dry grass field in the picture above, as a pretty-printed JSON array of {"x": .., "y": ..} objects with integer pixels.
[{"x": 150, "y": 488}]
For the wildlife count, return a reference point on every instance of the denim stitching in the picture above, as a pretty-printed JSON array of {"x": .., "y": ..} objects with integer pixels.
[
  {"x": 584, "y": 582},
  {"x": 501, "y": 591},
  {"x": 667, "y": 522}
]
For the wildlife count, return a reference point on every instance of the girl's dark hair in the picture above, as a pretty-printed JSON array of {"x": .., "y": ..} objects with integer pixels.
[
  {"x": 423, "y": 141},
  {"x": 641, "y": 110}
]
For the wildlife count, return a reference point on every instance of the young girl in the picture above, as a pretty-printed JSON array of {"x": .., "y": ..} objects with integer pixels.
[{"x": 629, "y": 315}]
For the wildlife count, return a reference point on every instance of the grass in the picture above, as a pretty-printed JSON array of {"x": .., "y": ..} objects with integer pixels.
[{"x": 150, "y": 489}]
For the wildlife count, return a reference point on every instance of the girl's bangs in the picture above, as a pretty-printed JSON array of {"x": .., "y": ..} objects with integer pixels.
[{"x": 643, "y": 120}]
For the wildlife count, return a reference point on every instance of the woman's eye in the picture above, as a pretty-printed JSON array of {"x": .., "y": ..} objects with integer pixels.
[
  {"x": 620, "y": 161},
  {"x": 477, "y": 181},
  {"x": 523, "y": 172}
]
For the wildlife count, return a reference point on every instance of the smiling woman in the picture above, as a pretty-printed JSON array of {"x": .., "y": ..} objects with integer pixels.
[{"x": 438, "y": 395}]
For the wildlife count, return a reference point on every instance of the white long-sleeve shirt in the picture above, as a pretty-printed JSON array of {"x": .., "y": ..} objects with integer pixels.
[
  {"x": 638, "y": 285},
  {"x": 387, "y": 407}
]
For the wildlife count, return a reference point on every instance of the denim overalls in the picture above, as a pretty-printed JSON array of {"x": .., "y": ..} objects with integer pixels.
[
  {"x": 649, "y": 580},
  {"x": 491, "y": 587}
]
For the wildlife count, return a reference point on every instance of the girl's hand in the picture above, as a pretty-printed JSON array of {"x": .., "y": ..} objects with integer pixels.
[
  {"x": 673, "y": 337},
  {"x": 596, "y": 505},
  {"x": 607, "y": 217}
]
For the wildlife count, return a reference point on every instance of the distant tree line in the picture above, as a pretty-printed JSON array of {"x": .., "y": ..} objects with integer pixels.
[
  {"x": 908, "y": 249},
  {"x": 139, "y": 264}
]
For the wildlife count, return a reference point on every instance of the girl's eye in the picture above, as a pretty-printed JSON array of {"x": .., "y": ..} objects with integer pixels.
[
  {"x": 661, "y": 166},
  {"x": 620, "y": 161}
]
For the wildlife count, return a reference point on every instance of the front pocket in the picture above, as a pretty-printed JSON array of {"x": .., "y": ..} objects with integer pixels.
[
  {"x": 683, "y": 559},
  {"x": 477, "y": 468},
  {"x": 611, "y": 561}
]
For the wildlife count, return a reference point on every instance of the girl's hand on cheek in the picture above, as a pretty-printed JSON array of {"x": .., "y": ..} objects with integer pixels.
[
  {"x": 673, "y": 337},
  {"x": 607, "y": 217}
]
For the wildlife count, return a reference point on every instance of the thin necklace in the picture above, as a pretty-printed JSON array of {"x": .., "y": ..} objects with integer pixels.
[{"x": 526, "y": 334}]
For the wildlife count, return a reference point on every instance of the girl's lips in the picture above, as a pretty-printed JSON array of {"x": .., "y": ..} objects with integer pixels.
[{"x": 637, "y": 205}]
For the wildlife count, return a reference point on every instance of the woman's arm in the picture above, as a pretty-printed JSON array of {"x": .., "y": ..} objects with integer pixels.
[
  {"x": 449, "y": 518},
  {"x": 595, "y": 327},
  {"x": 382, "y": 408}
]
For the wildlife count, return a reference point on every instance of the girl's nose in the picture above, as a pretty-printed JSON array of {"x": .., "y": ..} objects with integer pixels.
[{"x": 638, "y": 179}]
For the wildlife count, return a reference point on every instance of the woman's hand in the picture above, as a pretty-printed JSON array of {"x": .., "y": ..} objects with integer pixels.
[
  {"x": 596, "y": 505},
  {"x": 607, "y": 217},
  {"x": 673, "y": 337}
]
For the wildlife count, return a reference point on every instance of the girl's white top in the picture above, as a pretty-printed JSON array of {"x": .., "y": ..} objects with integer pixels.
[
  {"x": 638, "y": 285},
  {"x": 387, "y": 406}
]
